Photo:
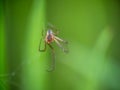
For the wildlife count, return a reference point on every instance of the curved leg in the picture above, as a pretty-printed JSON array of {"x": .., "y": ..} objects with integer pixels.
[
  {"x": 55, "y": 30},
  {"x": 65, "y": 50},
  {"x": 52, "y": 68},
  {"x": 59, "y": 39},
  {"x": 42, "y": 50}
]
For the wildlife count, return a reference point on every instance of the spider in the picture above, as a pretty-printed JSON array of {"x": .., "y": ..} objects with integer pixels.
[{"x": 48, "y": 39}]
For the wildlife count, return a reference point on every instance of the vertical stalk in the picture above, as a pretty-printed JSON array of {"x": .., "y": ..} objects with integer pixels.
[
  {"x": 34, "y": 72},
  {"x": 2, "y": 46}
]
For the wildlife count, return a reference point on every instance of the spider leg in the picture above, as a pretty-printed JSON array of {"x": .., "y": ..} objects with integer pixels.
[
  {"x": 56, "y": 31},
  {"x": 59, "y": 39},
  {"x": 52, "y": 68},
  {"x": 42, "y": 50},
  {"x": 58, "y": 43},
  {"x": 43, "y": 32}
]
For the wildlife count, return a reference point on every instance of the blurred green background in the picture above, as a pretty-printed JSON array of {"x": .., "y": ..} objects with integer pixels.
[{"x": 92, "y": 28}]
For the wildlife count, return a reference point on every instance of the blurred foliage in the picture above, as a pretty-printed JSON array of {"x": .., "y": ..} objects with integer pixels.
[
  {"x": 2, "y": 46},
  {"x": 91, "y": 28}
]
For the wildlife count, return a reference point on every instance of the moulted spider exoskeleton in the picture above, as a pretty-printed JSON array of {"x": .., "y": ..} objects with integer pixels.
[{"x": 50, "y": 37}]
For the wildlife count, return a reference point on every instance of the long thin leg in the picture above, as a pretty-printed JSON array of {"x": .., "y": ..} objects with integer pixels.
[
  {"x": 59, "y": 39},
  {"x": 52, "y": 68},
  {"x": 42, "y": 50},
  {"x": 56, "y": 31},
  {"x": 43, "y": 32},
  {"x": 64, "y": 49}
]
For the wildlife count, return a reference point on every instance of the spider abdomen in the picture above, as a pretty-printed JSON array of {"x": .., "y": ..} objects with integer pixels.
[{"x": 49, "y": 38}]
